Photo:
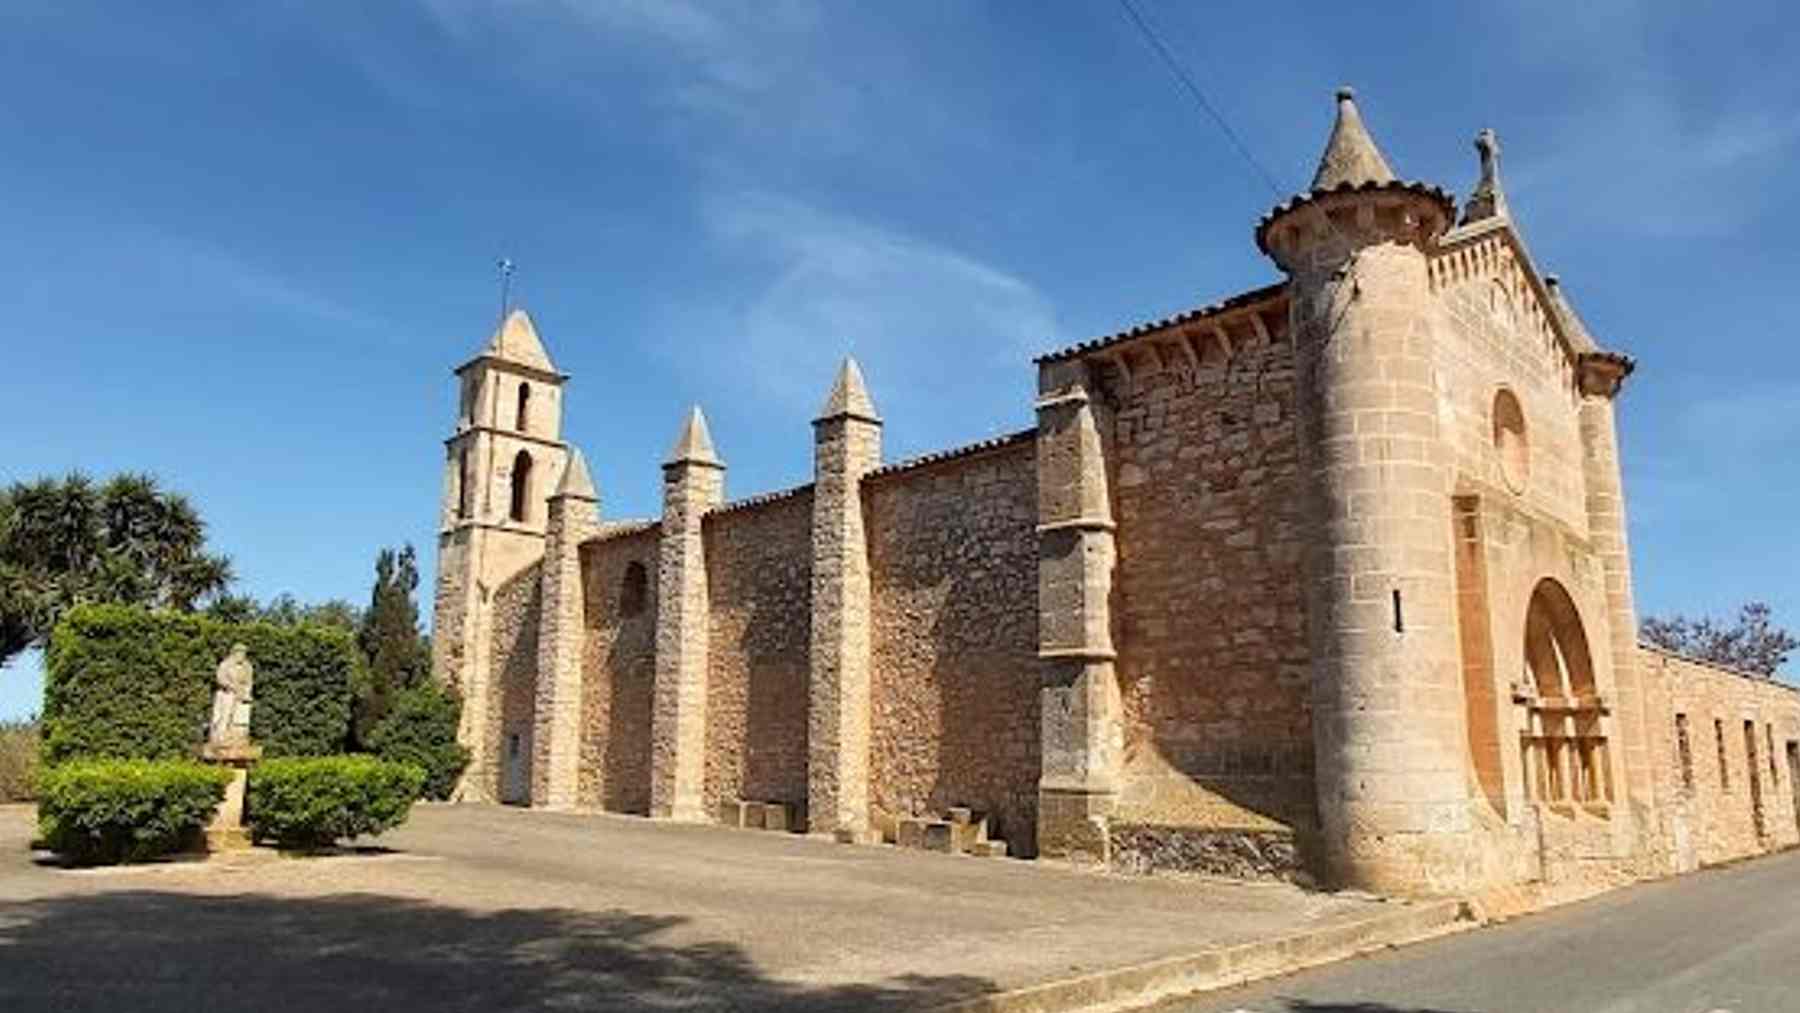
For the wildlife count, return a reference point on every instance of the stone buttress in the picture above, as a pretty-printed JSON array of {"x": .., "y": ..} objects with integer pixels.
[
  {"x": 574, "y": 516},
  {"x": 1081, "y": 732},
  {"x": 693, "y": 483},
  {"x": 846, "y": 446}
]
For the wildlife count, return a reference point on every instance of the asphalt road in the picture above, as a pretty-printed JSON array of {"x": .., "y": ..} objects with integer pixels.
[{"x": 1722, "y": 940}]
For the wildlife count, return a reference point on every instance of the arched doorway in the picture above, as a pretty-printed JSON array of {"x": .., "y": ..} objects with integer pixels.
[{"x": 1564, "y": 750}]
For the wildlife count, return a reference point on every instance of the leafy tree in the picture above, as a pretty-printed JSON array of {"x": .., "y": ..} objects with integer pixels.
[
  {"x": 127, "y": 541},
  {"x": 397, "y": 655},
  {"x": 1755, "y": 644},
  {"x": 420, "y": 728},
  {"x": 286, "y": 610}
]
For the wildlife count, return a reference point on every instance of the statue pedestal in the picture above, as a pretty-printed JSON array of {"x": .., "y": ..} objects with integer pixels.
[{"x": 226, "y": 832}]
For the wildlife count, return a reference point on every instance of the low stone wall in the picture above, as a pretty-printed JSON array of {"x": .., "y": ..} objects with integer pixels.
[
  {"x": 1725, "y": 794},
  {"x": 1238, "y": 854}
]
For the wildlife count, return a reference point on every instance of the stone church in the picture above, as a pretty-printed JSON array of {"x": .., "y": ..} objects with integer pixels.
[{"x": 1326, "y": 579}]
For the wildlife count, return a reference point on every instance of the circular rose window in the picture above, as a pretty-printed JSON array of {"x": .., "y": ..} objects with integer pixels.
[{"x": 1510, "y": 443}]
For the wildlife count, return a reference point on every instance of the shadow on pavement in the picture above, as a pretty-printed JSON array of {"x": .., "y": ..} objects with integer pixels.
[{"x": 156, "y": 951}]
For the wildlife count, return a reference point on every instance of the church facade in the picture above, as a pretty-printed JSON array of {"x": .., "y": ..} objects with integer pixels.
[{"x": 1327, "y": 578}]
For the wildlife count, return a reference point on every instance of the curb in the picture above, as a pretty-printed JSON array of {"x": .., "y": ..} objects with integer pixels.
[{"x": 1142, "y": 984}]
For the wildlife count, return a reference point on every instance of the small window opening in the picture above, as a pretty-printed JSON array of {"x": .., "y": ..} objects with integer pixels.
[
  {"x": 524, "y": 415},
  {"x": 1724, "y": 767},
  {"x": 521, "y": 487},
  {"x": 462, "y": 483},
  {"x": 1399, "y": 616},
  {"x": 1684, "y": 749}
]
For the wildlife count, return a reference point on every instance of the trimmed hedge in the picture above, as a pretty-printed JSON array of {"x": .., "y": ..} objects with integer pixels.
[
  {"x": 103, "y": 811},
  {"x": 312, "y": 801},
  {"x": 420, "y": 728},
  {"x": 125, "y": 682}
]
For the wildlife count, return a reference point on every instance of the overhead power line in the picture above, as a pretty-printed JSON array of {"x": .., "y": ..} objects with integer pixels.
[{"x": 1199, "y": 96}]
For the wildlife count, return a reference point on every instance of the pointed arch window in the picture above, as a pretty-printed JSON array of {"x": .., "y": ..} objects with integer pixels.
[
  {"x": 524, "y": 413},
  {"x": 521, "y": 487}
]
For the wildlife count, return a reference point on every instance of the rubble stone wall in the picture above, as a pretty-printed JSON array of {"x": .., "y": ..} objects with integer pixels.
[
  {"x": 619, "y": 666},
  {"x": 759, "y": 583},
  {"x": 1715, "y": 793},
  {"x": 953, "y": 572},
  {"x": 513, "y": 615}
]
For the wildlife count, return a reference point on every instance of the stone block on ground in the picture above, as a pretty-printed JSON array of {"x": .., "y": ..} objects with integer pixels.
[
  {"x": 777, "y": 816},
  {"x": 989, "y": 849},
  {"x": 753, "y": 816},
  {"x": 940, "y": 836},
  {"x": 733, "y": 813},
  {"x": 909, "y": 833},
  {"x": 965, "y": 835}
]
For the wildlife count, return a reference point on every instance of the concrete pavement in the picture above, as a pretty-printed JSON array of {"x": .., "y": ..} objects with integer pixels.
[
  {"x": 1722, "y": 941},
  {"x": 483, "y": 908}
]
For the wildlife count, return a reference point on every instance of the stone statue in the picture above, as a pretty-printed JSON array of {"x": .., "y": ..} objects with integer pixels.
[{"x": 231, "y": 700}]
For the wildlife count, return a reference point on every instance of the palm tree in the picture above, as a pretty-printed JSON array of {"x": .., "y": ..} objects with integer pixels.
[{"x": 67, "y": 541}]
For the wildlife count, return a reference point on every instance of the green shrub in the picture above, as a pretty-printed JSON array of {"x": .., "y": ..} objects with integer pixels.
[
  {"x": 312, "y": 801},
  {"x": 97, "y": 811},
  {"x": 125, "y": 682},
  {"x": 420, "y": 728},
  {"x": 18, "y": 760}
]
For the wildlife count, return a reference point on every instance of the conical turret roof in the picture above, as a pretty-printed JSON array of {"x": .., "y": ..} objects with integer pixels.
[
  {"x": 849, "y": 395},
  {"x": 693, "y": 445},
  {"x": 1352, "y": 164},
  {"x": 576, "y": 481},
  {"x": 1351, "y": 156}
]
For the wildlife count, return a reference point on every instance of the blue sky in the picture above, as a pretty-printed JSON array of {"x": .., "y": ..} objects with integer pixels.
[{"x": 248, "y": 241}]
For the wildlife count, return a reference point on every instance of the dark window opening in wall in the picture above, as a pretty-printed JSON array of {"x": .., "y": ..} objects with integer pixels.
[
  {"x": 524, "y": 414},
  {"x": 1774, "y": 772},
  {"x": 1724, "y": 767},
  {"x": 1399, "y": 617},
  {"x": 521, "y": 487},
  {"x": 1755, "y": 778},
  {"x": 462, "y": 483},
  {"x": 1685, "y": 751},
  {"x": 1793, "y": 760},
  {"x": 634, "y": 593}
]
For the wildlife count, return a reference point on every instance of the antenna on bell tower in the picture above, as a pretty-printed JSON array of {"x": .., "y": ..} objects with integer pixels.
[{"x": 506, "y": 267}]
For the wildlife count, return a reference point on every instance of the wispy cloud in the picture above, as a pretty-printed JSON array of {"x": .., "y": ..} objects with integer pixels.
[
  {"x": 930, "y": 324},
  {"x": 214, "y": 275},
  {"x": 1632, "y": 147}
]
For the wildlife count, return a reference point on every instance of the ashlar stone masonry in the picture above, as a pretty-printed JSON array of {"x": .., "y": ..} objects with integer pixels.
[{"x": 1329, "y": 577}]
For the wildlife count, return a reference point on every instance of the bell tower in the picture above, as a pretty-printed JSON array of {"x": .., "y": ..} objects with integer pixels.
[{"x": 501, "y": 464}]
